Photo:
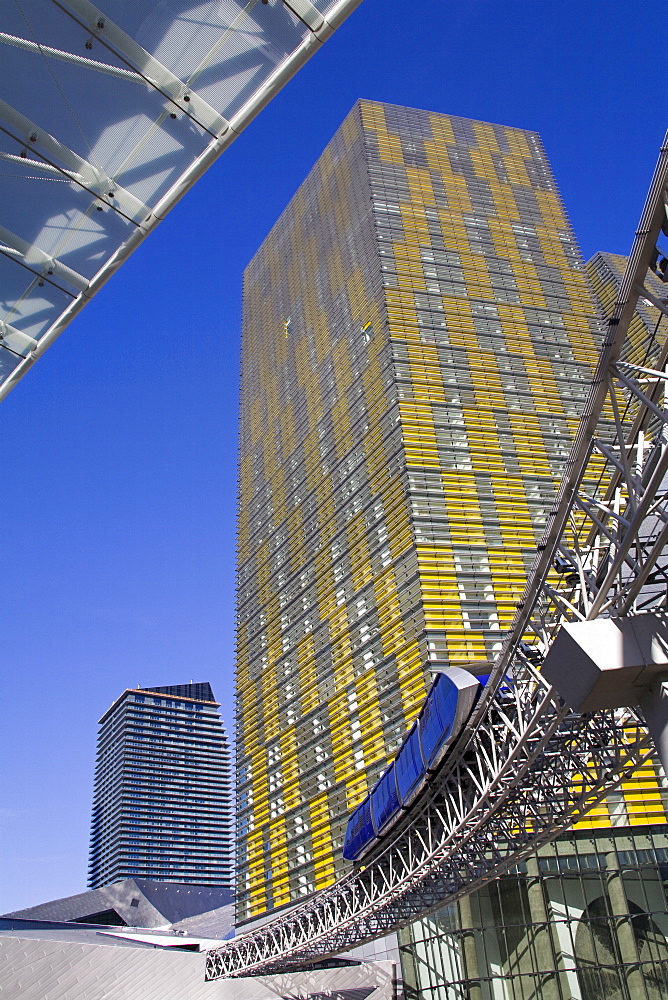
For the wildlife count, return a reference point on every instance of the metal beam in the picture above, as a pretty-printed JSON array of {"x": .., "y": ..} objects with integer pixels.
[
  {"x": 660, "y": 304},
  {"x": 26, "y": 161},
  {"x": 179, "y": 94},
  {"x": 69, "y": 57},
  {"x": 72, "y": 166},
  {"x": 252, "y": 107},
  {"x": 35, "y": 257},
  {"x": 307, "y": 13},
  {"x": 16, "y": 341}
]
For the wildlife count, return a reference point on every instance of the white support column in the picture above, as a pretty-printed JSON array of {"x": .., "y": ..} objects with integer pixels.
[{"x": 654, "y": 705}]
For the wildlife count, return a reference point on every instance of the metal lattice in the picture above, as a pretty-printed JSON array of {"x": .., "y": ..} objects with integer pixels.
[{"x": 527, "y": 768}]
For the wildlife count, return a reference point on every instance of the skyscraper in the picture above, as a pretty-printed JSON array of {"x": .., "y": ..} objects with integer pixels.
[
  {"x": 586, "y": 917},
  {"x": 162, "y": 806},
  {"x": 417, "y": 340}
]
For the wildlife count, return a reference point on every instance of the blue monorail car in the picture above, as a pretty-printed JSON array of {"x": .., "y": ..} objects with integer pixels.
[{"x": 446, "y": 710}]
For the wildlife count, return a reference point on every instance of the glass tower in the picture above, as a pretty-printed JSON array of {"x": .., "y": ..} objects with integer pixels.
[
  {"x": 418, "y": 337},
  {"x": 162, "y": 805}
]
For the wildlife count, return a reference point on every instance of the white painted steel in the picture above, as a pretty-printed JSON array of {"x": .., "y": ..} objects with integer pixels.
[
  {"x": 35, "y": 257},
  {"x": 149, "y": 69},
  {"x": 654, "y": 705},
  {"x": 41, "y": 49},
  {"x": 608, "y": 662},
  {"x": 98, "y": 148},
  {"x": 527, "y": 767}
]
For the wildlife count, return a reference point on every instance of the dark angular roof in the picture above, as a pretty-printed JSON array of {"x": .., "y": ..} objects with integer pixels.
[
  {"x": 178, "y": 900},
  {"x": 198, "y": 692},
  {"x": 136, "y": 902}
]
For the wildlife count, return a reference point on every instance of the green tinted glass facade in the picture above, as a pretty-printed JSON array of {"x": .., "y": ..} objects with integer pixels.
[
  {"x": 584, "y": 920},
  {"x": 418, "y": 338}
]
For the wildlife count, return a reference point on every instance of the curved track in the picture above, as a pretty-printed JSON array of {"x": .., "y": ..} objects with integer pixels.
[{"x": 527, "y": 767}]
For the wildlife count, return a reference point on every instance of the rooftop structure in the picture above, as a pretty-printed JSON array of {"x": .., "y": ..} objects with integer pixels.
[
  {"x": 137, "y": 902},
  {"x": 41, "y": 959}
]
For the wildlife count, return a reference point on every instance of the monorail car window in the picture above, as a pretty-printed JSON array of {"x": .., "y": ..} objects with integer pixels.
[
  {"x": 360, "y": 833},
  {"x": 384, "y": 801},
  {"x": 436, "y": 718},
  {"x": 445, "y": 712},
  {"x": 409, "y": 767}
]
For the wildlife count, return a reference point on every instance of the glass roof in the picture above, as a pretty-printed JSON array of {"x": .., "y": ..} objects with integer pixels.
[{"x": 108, "y": 115}]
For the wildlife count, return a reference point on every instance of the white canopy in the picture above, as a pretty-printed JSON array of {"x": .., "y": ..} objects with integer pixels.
[{"x": 107, "y": 117}]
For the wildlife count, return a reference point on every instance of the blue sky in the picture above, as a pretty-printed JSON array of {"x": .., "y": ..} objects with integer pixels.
[{"x": 119, "y": 447}]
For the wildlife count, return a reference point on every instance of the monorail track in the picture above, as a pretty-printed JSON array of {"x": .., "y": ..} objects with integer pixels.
[{"x": 526, "y": 768}]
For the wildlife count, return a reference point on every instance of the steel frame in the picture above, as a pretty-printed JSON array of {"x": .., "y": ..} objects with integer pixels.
[
  {"x": 180, "y": 97},
  {"x": 527, "y": 768}
]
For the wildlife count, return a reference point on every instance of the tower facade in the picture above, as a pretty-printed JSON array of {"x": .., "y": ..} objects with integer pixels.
[
  {"x": 417, "y": 339},
  {"x": 162, "y": 806},
  {"x": 585, "y": 918}
]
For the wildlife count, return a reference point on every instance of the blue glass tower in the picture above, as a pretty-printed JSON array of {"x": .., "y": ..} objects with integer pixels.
[{"x": 162, "y": 805}]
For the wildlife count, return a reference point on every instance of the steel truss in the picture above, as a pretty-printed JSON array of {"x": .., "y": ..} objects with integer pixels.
[{"x": 527, "y": 768}]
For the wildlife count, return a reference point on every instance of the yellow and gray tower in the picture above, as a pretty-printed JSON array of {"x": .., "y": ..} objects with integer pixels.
[{"x": 418, "y": 337}]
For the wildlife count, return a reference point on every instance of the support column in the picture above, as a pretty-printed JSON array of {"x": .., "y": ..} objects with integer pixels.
[
  {"x": 545, "y": 946},
  {"x": 623, "y": 930},
  {"x": 654, "y": 705},
  {"x": 469, "y": 951}
]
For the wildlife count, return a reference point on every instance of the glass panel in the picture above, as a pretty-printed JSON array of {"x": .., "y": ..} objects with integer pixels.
[{"x": 106, "y": 116}]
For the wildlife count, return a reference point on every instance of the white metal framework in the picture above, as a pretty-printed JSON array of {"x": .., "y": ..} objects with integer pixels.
[
  {"x": 528, "y": 767},
  {"x": 109, "y": 115}
]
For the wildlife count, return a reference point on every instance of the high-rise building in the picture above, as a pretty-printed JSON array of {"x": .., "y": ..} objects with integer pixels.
[
  {"x": 587, "y": 917},
  {"x": 605, "y": 272},
  {"x": 162, "y": 807},
  {"x": 418, "y": 337}
]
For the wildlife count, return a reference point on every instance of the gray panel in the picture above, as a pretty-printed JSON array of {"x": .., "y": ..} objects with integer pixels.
[
  {"x": 53, "y": 970},
  {"x": 117, "y": 896},
  {"x": 177, "y": 902}
]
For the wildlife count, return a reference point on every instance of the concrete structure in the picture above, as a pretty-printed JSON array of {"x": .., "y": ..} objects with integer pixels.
[
  {"x": 608, "y": 662},
  {"x": 162, "y": 807}
]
